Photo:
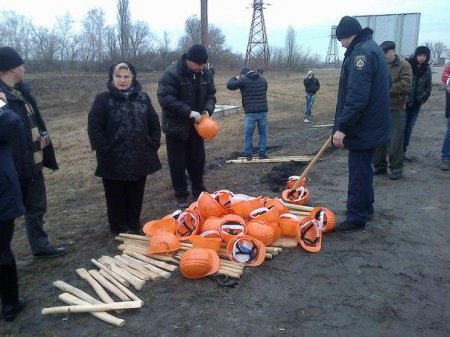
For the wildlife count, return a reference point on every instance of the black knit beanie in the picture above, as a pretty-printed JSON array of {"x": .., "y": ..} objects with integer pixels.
[
  {"x": 423, "y": 50},
  {"x": 348, "y": 26},
  {"x": 197, "y": 53},
  {"x": 245, "y": 70},
  {"x": 9, "y": 59}
]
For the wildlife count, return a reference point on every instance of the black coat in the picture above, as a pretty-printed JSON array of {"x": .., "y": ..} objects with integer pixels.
[
  {"x": 253, "y": 91},
  {"x": 23, "y": 147},
  {"x": 362, "y": 111},
  {"x": 179, "y": 92},
  {"x": 11, "y": 128},
  {"x": 312, "y": 85},
  {"x": 125, "y": 132},
  {"x": 421, "y": 82}
]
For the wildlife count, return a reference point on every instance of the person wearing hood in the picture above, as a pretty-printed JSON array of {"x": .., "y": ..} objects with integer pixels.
[
  {"x": 362, "y": 120},
  {"x": 31, "y": 154},
  {"x": 186, "y": 90},
  {"x": 312, "y": 86},
  {"x": 124, "y": 130},
  {"x": 419, "y": 92},
  {"x": 253, "y": 87}
]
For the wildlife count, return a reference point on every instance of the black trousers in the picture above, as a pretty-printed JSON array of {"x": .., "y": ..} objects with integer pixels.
[
  {"x": 124, "y": 204},
  {"x": 6, "y": 235},
  {"x": 186, "y": 155}
]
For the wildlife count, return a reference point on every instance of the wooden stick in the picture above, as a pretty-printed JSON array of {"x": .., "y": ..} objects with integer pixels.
[
  {"x": 269, "y": 160},
  {"x": 108, "y": 285},
  {"x": 117, "y": 277},
  {"x": 95, "y": 285},
  {"x": 152, "y": 268},
  {"x": 134, "y": 236},
  {"x": 104, "y": 316},
  {"x": 136, "y": 266},
  {"x": 312, "y": 162},
  {"x": 91, "y": 307},
  {"x": 287, "y": 242},
  {"x": 119, "y": 285},
  {"x": 160, "y": 257},
  {"x": 301, "y": 213},
  {"x": 133, "y": 280},
  {"x": 77, "y": 292},
  {"x": 160, "y": 264},
  {"x": 298, "y": 207},
  {"x": 132, "y": 271},
  {"x": 322, "y": 125}
]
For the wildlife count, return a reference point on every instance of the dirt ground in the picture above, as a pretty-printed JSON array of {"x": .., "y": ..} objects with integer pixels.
[{"x": 390, "y": 280}]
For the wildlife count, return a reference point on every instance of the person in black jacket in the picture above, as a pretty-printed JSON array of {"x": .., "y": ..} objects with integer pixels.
[
  {"x": 11, "y": 207},
  {"x": 253, "y": 87},
  {"x": 30, "y": 155},
  {"x": 125, "y": 132},
  {"x": 312, "y": 86},
  {"x": 186, "y": 90},
  {"x": 362, "y": 120},
  {"x": 419, "y": 92}
]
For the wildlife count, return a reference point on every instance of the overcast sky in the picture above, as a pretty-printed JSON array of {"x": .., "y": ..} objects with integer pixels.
[{"x": 311, "y": 20}]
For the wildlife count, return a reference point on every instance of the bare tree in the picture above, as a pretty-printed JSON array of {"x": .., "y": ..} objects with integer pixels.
[
  {"x": 192, "y": 30},
  {"x": 111, "y": 43},
  {"x": 123, "y": 27},
  {"x": 139, "y": 39},
  {"x": 290, "y": 48},
  {"x": 16, "y": 31},
  {"x": 45, "y": 44},
  {"x": 92, "y": 36},
  {"x": 63, "y": 31}
]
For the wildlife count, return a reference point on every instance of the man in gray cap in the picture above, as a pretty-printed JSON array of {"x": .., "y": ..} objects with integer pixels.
[
  {"x": 401, "y": 79},
  {"x": 362, "y": 120},
  {"x": 32, "y": 155}
]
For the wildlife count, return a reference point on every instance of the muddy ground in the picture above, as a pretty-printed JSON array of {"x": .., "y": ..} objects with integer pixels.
[{"x": 390, "y": 280}]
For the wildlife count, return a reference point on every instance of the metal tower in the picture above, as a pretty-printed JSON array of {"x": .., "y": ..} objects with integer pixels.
[
  {"x": 257, "y": 56},
  {"x": 332, "y": 54}
]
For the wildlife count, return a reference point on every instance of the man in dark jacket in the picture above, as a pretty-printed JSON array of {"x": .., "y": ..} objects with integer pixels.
[
  {"x": 312, "y": 86},
  {"x": 254, "y": 101},
  {"x": 31, "y": 155},
  {"x": 401, "y": 76},
  {"x": 362, "y": 120},
  {"x": 186, "y": 90},
  {"x": 419, "y": 93}
]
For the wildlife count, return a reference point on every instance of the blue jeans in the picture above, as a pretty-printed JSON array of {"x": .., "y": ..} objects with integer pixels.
[
  {"x": 309, "y": 103},
  {"x": 411, "y": 113},
  {"x": 251, "y": 119},
  {"x": 446, "y": 146}
]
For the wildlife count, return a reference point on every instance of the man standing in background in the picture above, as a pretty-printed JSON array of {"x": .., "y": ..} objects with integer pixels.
[
  {"x": 312, "y": 86},
  {"x": 401, "y": 77},
  {"x": 31, "y": 155},
  {"x": 445, "y": 165}
]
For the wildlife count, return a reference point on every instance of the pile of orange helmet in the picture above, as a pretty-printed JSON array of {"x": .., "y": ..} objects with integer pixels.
[{"x": 245, "y": 224}]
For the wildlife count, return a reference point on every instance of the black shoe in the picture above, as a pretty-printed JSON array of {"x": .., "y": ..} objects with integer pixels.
[
  {"x": 263, "y": 156},
  {"x": 396, "y": 175},
  {"x": 51, "y": 252},
  {"x": 370, "y": 216},
  {"x": 248, "y": 158},
  {"x": 347, "y": 226},
  {"x": 380, "y": 171},
  {"x": 182, "y": 202},
  {"x": 10, "y": 311},
  {"x": 9, "y": 291},
  {"x": 445, "y": 166},
  {"x": 409, "y": 159}
]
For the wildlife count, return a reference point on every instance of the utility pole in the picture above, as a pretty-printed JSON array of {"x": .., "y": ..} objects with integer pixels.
[
  {"x": 204, "y": 22},
  {"x": 257, "y": 55},
  {"x": 332, "y": 53}
]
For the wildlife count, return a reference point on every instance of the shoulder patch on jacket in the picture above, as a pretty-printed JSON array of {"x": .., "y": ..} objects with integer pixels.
[{"x": 360, "y": 62}]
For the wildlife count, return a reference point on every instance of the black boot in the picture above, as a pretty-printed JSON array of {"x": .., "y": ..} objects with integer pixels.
[{"x": 9, "y": 290}]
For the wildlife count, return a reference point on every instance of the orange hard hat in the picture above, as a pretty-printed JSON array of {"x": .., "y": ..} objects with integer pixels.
[
  {"x": 246, "y": 249},
  {"x": 208, "y": 206},
  {"x": 161, "y": 225},
  {"x": 211, "y": 227},
  {"x": 262, "y": 231},
  {"x": 199, "y": 241},
  {"x": 224, "y": 197},
  {"x": 309, "y": 234},
  {"x": 299, "y": 196},
  {"x": 188, "y": 223},
  {"x": 265, "y": 214},
  {"x": 277, "y": 203},
  {"x": 288, "y": 224},
  {"x": 244, "y": 207},
  {"x": 292, "y": 180},
  {"x": 199, "y": 262},
  {"x": 208, "y": 128},
  {"x": 326, "y": 218},
  {"x": 232, "y": 225},
  {"x": 163, "y": 243}
]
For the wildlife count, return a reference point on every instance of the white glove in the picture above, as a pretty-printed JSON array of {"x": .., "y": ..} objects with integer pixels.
[
  {"x": 205, "y": 112},
  {"x": 196, "y": 116}
]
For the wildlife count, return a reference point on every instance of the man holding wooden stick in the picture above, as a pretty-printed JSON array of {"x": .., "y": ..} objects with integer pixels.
[{"x": 362, "y": 120}]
